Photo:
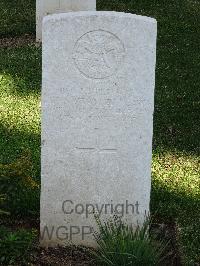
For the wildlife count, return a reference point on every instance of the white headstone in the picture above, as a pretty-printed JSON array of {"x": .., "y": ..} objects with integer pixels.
[
  {"x": 97, "y": 122},
  {"x": 47, "y": 7}
]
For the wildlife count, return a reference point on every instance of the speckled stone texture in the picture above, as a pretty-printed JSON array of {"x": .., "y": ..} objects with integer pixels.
[
  {"x": 97, "y": 122},
  {"x": 47, "y": 7}
]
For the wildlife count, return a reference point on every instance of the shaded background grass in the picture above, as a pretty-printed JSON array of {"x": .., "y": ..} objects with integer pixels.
[
  {"x": 17, "y": 17},
  {"x": 175, "y": 167}
]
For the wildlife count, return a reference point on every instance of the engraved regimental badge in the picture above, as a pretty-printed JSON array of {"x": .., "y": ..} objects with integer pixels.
[{"x": 98, "y": 54}]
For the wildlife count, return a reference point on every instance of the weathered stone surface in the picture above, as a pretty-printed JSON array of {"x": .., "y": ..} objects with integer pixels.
[
  {"x": 47, "y": 7},
  {"x": 97, "y": 121}
]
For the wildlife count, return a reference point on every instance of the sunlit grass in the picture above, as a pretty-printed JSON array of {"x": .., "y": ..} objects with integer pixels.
[
  {"x": 177, "y": 171},
  {"x": 20, "y": 79},
  {"x": 21, "y": 113},
  {"x": 176, "y": 198}
]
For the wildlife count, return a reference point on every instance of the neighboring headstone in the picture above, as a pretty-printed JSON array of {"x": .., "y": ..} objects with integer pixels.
[
  {"x": 97, "y": 122},
  {"x": 47, "y": 7}
]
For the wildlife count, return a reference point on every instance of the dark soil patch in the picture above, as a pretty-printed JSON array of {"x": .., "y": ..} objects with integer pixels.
[
  {"x": 61, "y": 256},
  {"x": 27, "y": 39},
  {"x": 167, "y": 232},
  {"x": 16, "y": 224}
]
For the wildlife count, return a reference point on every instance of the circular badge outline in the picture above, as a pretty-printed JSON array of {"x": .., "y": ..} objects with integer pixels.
[{"x": 117, "y": 67}]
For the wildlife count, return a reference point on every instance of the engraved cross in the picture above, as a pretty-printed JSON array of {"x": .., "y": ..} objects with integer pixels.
[{"x": 96, "y": 149}]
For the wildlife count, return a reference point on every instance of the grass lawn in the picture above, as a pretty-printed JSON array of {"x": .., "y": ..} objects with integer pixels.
[
  {"x": 17, "y": 17},
  {"x": 176, "y": 166}
]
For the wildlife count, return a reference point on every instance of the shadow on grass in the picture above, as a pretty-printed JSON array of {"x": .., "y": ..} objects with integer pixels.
[
  {"x": 171, "y": 205},
  {"x": 17, "y": 17},
  {"x": 177, "y": 97},
  {"x": 13, "y": 143},
  {"x": 21, "y": 66},
  {"x": 174, "y": 203}
]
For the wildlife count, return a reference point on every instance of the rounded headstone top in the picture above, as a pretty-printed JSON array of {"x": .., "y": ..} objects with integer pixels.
[{"x": 69, "y": 15}]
